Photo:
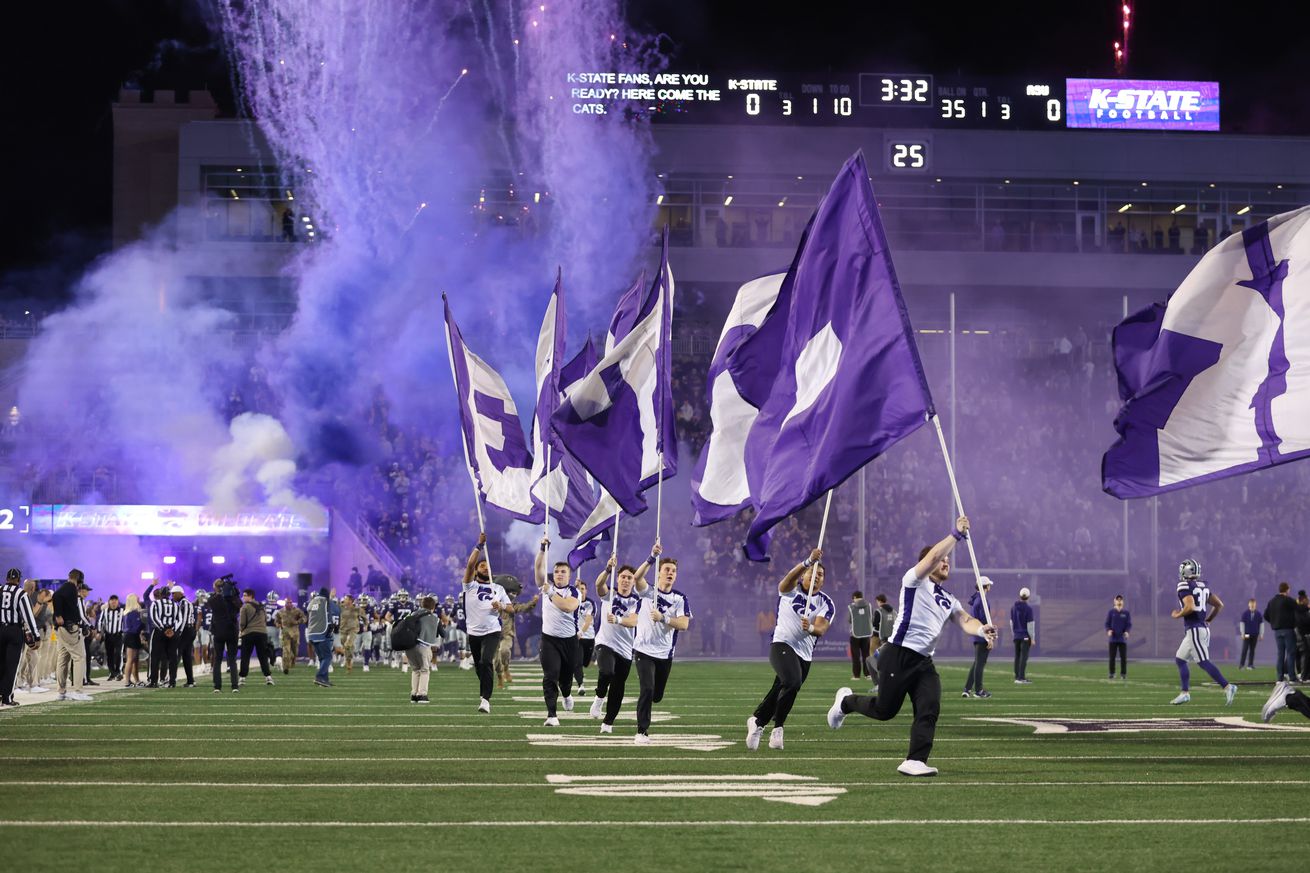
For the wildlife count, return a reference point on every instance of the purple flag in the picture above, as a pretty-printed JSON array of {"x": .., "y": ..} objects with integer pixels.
[
  {"x": 1213, "y": 382},
  {"x": 565, "y": 486},
  {"x": 618, "y": 421},
  {"x": 849, "y": 382},
  {"x": 494, "y": 448}
]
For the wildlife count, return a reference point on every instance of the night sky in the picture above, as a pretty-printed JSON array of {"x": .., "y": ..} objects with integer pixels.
[{"x": 63, "y": 69}]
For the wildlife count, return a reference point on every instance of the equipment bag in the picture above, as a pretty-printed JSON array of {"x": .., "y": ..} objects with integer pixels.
[{"x": 404, "y": 633}]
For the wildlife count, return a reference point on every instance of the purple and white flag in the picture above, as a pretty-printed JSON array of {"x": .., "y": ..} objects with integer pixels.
[
  {"x": 565, "y": 487},
  {"x": 1216, "y": 382},
  {"x": 618, "y": 421},
  {"x": 718, "y": 486},
  {"x": 494, "y": 447},
  {"x": 849, "y": 383}
]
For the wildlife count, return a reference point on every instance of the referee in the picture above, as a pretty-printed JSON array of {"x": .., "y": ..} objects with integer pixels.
[
  {"x": 17, "y": 628},
  {"x": 111, "y": 628},
  {"x": 186, "y": 634},
  {"x": 163, "y": 641}
]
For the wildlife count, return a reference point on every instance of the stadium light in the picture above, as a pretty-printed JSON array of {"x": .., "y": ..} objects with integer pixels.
[
  {"x": 219, "y": 559},
  {"x": 1244, "y": 210},
  {"x": 1125, "y": 207},
  {"x": 727, "y": 201},
  {"x": 1179, "y": 208},
  {"x": 147, "y": 575},
  {"x": 265, "y": 559},
  {"x": 170, "y": 559},
  {"x": 283, "y": 574}
]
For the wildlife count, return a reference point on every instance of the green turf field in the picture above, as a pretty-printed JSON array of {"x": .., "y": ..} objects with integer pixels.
[{"x": 190, "y": 780}]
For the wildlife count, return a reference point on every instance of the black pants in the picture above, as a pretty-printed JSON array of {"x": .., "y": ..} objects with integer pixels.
[
  {"x": 114, "y": 653},
  {"x": 224, "y": 649},
  {"x": 258, "y": 643},
  {"x": 790, "y": 670},
  {"x": 611, "y": 680},
  {"x": 974, "y": 681},
  {"x": 904, "y": 673},
  {"x": 11, "y": 651},
  {"x": 1248, "y": 652},
  {"x": 163, "y": 653},
  {"x": 652, "y": 675},
  {"x": 859, "y": 656},
  {"x": 1120, "y": 649},
  {"x": 484, "y": 650},
  {"x": 1299, "y": 702},
  {"x": 559, "y": 660},
  {"x": 1021, "y": 649},
  {"x": 586, "y": 649},
  {"x": 186, "y": 646}
]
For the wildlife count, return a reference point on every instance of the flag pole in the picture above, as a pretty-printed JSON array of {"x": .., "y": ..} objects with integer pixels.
[
  {"x": 463, "y": 441},
  {"x": 823, "y": 530},
  {"x": 548, "y": 494},
  {"x": 659, "y": 498},
  {"x": 959, "y": 507},
  {"x": 614, "y": 553}
]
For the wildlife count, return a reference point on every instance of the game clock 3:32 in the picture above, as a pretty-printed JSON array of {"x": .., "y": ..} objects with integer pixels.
[{"x": 908, "y": 154}]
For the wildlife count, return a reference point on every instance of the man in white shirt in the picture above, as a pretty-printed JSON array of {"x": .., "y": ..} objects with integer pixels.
[
  {"x": 657, "y": 635},
  {"x": 804, "y": 614},
  {"x": 484, "y": 601},
  {"x": 560, "y": 650},
  {"x": 905, "y": 668},
  {"x": 619, "y": 608}
]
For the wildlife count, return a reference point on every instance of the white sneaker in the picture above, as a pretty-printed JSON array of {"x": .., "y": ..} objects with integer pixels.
[
  {"x": 581, "y": 689},
  {"x": 606, "y": 728},
  {"x": 404, "y": 668},
  {"x": 366, "y": 668},
  {"x": 484, "y": 705},
  {"x": 77, "y": 695},
  {"x": 466, "y": 664},
  {"x": 775, "y": 738},
  {"x": 753, "y": 734},
  {"x": 551, "y": 722},
  {"x": 835, "y": 715},
  {"x": 1277, "y": 700},
  {"x": 268, "y": 680},
  {"x": 597, "y": 707},
  {"x": 915, "y": 768},
  {"x": 1182, "y": 698},
  {"x": 568, "y": 704},
  {"x": 62, "y": 696},
  {"x": 641, "y": 739},
  {"x": 38, "y": 689},
  {"x": 1229, "y": 693}
]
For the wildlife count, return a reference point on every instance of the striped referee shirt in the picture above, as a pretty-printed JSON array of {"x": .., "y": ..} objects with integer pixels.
[
  {"x": 186, "y": 614},
  {"x": 111, "y": 620},
  {"x": 15, "y": 609},
  {"x": 164, "y": 614}
]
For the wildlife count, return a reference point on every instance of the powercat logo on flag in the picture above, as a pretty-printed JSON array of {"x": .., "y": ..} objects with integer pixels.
[{"x": 1130, "y": 104}]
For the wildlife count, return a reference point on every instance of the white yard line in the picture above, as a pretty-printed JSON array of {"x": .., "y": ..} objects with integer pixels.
[{"x": 654, "y": 823}]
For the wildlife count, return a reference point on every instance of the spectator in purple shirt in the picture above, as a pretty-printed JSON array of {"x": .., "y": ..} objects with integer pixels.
[
  {"x": 1021, "y": 625},
  {"x": 1118, "y": 624},
  {"x": 1252, "y": 629},
  {"x": 973, "y": 683}
]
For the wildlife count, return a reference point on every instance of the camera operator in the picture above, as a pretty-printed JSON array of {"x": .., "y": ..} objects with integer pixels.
[{"x": 224, "y": 609}]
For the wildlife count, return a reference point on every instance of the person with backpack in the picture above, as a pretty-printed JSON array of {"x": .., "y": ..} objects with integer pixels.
[
  {"x": 417, "y": 634},
  {"x": 322, "y": 611}
]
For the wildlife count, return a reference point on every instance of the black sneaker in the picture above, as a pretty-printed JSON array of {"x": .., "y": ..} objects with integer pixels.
[
  {"x": 189, "y": 685},
  {"x": 413, "y": 698},
  {"x": 983, "y": 694},
  {"x": 90, "y": 682},
  {"x": 422, "y": 698}
]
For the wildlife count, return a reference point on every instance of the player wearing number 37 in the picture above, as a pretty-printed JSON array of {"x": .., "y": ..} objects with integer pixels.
[
  {"x": 905, "y": 668},
  {"x": 1194, "y": 597}
]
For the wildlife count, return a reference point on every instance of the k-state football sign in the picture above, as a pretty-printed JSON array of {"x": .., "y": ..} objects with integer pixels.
[{"x": 1137, "y": 104}]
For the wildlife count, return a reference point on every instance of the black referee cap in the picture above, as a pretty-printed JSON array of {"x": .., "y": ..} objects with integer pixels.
[{"x": 14, "y": 573}]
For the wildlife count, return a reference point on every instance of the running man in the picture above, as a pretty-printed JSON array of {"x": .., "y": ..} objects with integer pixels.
[
  {"x": 618, "y": 631},
  {"x": 1194, "y": 597},
  {"x": 905, "y": 667},
  {"x": 484, "y": 601},
  {"x": 560, "y": 652},
  {"x": 586, "y": 631},
  {"x": 657, "y": 635},
  {"x": 804, "y": 614}
]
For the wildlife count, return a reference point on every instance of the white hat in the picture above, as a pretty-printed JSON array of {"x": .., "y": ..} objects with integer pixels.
[
  {"x": 1024, "y": 593},
  {"x": 984, "y": 581},
  {"x": 176, "y": 589}
]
